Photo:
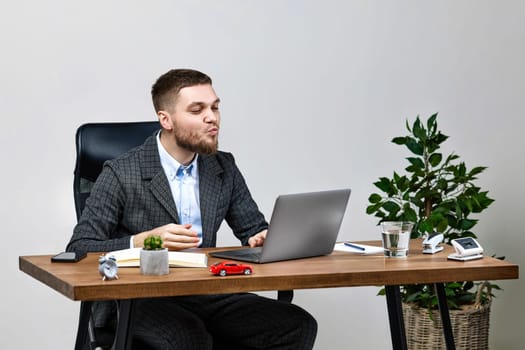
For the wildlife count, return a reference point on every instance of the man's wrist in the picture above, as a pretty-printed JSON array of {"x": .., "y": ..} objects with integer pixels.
[{"x": 138, "y": 240}]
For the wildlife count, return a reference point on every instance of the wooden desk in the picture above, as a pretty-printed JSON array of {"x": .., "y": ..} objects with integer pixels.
[{"x": 81, "y": 281}]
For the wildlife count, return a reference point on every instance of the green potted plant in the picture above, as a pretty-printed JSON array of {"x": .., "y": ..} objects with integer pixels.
[
  {"x": 438, "y": 194},
  {"x": 154, "y": 259}
]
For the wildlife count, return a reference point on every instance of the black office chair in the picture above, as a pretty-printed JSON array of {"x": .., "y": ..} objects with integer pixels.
[{"x": 96, "y": 143}]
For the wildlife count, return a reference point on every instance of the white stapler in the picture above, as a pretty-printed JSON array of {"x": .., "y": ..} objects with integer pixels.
[{"x": 431, "y": 243}]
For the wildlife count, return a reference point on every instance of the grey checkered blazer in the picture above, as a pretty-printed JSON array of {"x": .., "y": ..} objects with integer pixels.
[{"x": 132, "y": 195}]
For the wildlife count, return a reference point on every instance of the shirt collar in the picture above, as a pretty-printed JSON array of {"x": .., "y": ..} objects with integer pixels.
[{"x": 170, "y": 165}]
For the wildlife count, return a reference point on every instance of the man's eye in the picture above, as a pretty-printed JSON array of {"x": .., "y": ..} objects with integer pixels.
[
  {"x": 215, "y": 108},
  {"x": 195, "y": 111}
]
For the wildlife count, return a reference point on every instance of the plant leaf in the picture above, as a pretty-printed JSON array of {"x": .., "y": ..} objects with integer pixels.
[
  {"x": 391, "y": 206},
  {"x": 414, "y": 146},
  {"x": 385, "y": 185},
  {"x": 419, "y": 131},
  {"x": 399, "y": 140},
  {"x": 431, "y": 123},
  {"x": 417, "y": 162},
  {"x": 374, "y": 198},
  {"x": 435, "y": 159}
]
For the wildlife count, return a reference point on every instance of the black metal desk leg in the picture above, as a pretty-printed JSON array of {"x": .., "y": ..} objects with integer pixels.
[
  {"x": 395, "y": 316},
  {"x": 83, "y": 324},
  {"x": 125, "y": 321},
  {"x": 285, "y": 295},
  {"x": 445, "y": 316}
]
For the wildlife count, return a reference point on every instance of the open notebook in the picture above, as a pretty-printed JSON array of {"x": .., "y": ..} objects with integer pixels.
[{"x": 131, "y": 258}]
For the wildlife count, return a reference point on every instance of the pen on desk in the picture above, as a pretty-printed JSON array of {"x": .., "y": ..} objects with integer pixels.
[{"x": 354, "y": 246}]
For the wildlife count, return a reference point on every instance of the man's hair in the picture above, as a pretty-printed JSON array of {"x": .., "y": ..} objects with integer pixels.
[{"x": 168, "y": 85}]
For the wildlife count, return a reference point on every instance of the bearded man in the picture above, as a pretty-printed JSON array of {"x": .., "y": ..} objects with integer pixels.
[{"x": 178, "y": 185}]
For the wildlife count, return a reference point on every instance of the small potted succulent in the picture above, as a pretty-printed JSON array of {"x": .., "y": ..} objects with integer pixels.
[{"x": 154, "y": 259}]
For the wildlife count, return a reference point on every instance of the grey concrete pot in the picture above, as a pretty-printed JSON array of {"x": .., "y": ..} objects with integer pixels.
[{"x": 154, "y": 262}]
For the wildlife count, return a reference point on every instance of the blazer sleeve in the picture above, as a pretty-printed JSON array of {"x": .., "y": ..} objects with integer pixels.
[
  {"x": 244, "y": 216},
  {"x": 98, "y": 227}
]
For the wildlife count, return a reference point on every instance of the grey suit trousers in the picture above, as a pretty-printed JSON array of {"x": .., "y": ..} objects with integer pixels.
[{"x": 228, "y": 321}]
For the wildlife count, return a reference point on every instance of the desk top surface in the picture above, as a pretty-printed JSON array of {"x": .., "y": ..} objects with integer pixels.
[{"x": 81, "y": 280}]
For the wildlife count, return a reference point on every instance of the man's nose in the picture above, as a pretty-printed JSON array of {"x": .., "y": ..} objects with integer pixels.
[{"x": 210, "y": 116}]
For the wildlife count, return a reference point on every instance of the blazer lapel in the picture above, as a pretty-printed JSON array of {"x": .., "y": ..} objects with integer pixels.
[
  {"x": 210, "y": 189},
  {"x": 152, "y": 171}
]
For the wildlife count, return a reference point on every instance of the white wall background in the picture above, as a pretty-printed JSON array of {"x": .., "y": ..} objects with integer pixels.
[{"x": 316, "y": 89}]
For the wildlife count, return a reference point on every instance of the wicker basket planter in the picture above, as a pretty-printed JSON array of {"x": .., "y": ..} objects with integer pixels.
[{"x": 470, "y": 327}]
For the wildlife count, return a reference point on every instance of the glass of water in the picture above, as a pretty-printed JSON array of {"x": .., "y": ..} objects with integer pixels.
[{"x": 396, "y": 235}]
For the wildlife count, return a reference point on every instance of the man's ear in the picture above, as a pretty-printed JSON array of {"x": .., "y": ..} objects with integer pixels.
[{"x": 165, "y": 120}]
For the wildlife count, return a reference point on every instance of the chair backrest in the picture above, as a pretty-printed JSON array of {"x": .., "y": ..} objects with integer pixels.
[{"x": 98, "y": 142}]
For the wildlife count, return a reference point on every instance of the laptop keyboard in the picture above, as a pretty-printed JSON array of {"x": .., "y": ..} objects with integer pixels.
[
  {"x": 251, "y": 256},
  {"x": 252, "y": 253}
]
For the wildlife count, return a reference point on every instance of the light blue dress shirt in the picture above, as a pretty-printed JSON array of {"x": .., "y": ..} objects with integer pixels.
[{"x": 184, "y": 185}]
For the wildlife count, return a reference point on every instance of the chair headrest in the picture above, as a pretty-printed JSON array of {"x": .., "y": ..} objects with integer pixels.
[{"x": 98, "y": 142}]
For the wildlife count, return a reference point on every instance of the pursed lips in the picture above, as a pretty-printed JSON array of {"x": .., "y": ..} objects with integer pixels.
[{"x": 213, "y": 131}]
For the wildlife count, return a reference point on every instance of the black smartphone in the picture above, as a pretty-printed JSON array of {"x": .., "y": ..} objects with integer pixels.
[{"x": 68, "y": 257}]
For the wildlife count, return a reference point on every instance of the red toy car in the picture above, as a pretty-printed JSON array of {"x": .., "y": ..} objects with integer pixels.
[{"x": 224, "y": 268}]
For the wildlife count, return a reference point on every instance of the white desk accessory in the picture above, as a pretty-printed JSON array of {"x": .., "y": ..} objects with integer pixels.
[
  {"x": 431, "y": 243},
  {"x": 466, "y": 249}
]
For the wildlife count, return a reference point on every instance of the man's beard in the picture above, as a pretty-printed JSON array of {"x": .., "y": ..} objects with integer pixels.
[{"x": 191, "y": 142}]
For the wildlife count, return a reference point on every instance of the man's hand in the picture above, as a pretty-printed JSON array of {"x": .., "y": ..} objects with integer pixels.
[
  {"x": 257, "y": 240},
  {"x": 175, "y": 237}
]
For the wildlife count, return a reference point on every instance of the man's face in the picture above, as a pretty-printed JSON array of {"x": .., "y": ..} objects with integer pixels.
[{"x": 196, "y": 118}]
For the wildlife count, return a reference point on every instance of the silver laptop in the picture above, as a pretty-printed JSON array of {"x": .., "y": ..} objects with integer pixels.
[{"x": 302, "y": 225}]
